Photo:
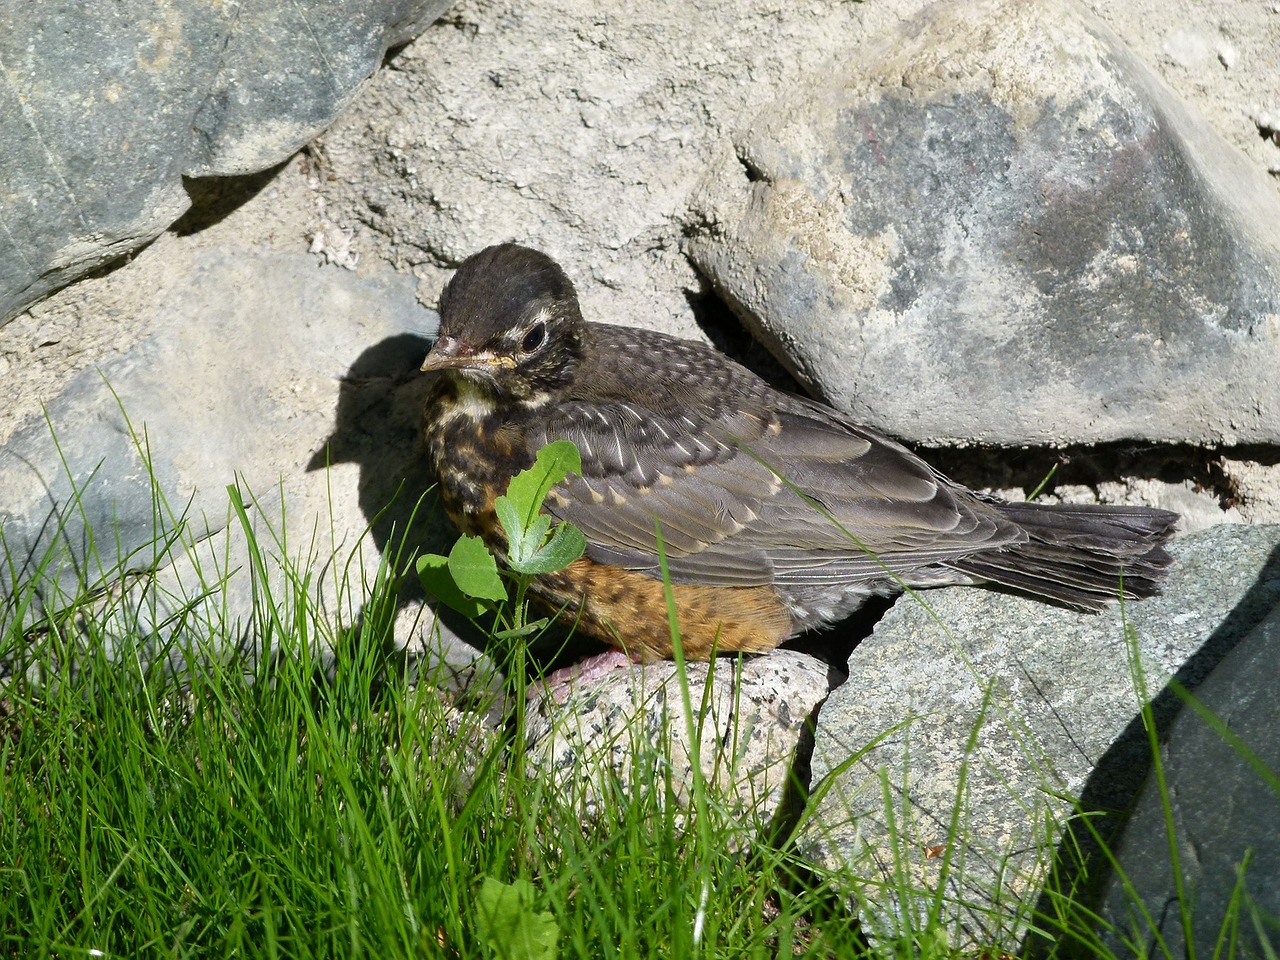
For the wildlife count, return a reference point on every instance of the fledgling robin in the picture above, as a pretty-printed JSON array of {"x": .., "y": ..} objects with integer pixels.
[{"x": 669, "y": 430}]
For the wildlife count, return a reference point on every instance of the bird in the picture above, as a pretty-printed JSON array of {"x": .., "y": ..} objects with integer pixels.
[{"x": 777, "y": 513}]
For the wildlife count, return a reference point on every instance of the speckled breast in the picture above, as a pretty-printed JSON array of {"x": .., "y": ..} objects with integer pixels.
[{"x": 474, "y": 451}]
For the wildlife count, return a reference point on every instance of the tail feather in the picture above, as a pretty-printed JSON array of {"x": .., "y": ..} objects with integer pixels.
[{"x": 1081, "y": 556}]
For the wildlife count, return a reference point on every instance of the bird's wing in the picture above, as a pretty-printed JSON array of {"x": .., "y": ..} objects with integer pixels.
[{"x": 788, "y": 493}]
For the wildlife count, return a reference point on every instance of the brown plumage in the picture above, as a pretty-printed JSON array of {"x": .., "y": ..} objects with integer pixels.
[{"x": 669, "y": 430}]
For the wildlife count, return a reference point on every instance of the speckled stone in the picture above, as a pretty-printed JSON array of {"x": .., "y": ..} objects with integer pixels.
[
  {"x": 105, "y": 109},
  {"x": 1225, "y": 811},
  {"x": 615, "y": 731}
]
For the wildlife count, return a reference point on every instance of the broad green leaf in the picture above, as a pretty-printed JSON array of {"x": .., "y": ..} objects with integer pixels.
[
  {"x": 475, "y": 571},
  {"x": 433, "y": 571},
  {"x": 508, "y": 922},
  {"x": 537, "y": 533},
  {"x": 566, "y": 545},
  {"x": 528, "y": 488}
]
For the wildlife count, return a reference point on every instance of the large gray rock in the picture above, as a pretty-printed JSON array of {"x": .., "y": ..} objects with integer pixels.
[
  {"x": 995, "y": 712},
  {"x": 998, "y": 225},
  {"x": 1225, "y": 811},
  {"x": 252, "y": 354},
  {"x": 105, "y": 108}
]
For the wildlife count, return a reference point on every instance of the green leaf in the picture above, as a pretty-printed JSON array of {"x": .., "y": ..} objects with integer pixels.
[
  {"x": 534, "y": 537},
  {"x": 529, "y": 488},
  {"x": 433, "y": 571},
  {"x": 512, "y": 523},
  {"x": 524, "y": 538},
  {"x": 475, "y": 571},
  {"x": 507, "y": 921},
  {"x": 566, "y": 545},
  {"x": 515, "y": 633}
]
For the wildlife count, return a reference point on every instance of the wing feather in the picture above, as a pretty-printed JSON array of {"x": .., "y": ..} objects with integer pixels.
[{"x": 732, "y": 471}]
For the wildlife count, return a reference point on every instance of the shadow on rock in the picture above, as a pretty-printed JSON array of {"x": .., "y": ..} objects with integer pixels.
[
  {"x": 378, "y": 426},
  {"x": 213, "y": 199},
  {"x": 1081, "y": 869}
]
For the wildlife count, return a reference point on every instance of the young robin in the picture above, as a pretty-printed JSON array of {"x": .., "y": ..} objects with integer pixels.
[{"x": 674, "y": 433}]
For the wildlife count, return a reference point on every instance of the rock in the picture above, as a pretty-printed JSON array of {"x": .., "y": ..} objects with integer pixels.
[
  {"x": 251, "y": 354},
  {"x": 995, "y": 712},
  {"x": 617, "y": 732},
  {"x": 105, "y": 109},
  {"x": 1189, "y": 49},
  {"x": 1225, "y": 807},
  {"x": 581, "y": 130},
  {"x": 1256, "y": 485},
  {"x": 998, "y": 226}
]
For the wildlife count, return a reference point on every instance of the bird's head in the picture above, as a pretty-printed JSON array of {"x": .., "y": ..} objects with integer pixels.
[{"x": 510, "y": 324}]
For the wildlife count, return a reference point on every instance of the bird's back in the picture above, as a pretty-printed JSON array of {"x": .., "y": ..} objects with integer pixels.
[{"x": 748, "y": 485}]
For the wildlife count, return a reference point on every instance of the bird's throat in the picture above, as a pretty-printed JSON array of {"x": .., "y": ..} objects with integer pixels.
[{"x": 472, "y": 400}]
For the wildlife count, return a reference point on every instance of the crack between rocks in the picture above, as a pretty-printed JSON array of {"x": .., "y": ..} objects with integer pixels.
[
  {"x": 753, "y": 172},
  {"x": 795, "y": 794}
]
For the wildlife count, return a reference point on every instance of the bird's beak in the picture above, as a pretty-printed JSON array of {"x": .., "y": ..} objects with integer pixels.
[{"x": 450, "y": 353}]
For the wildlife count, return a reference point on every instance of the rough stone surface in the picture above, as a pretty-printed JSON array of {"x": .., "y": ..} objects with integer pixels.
[
  {"x": 1255, "y": 486},
  {"x": 1226, "y": 816},
  {"x": 104, "y": 109},
  {"x": 613, "y": 732},
  {"x": 261, "y": 368},
  {"x": 1002, "y": 227},
  {"x": 580, "y": 129},
  {"x": 1050, "y": 697}
]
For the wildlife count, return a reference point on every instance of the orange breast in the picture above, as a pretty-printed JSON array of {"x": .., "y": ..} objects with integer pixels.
[{"x": 628, "y": 610}]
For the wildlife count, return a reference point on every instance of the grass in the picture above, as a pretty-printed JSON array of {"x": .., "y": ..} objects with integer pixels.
[
  {"x": 305, "y": 798},
  {"x": 288, "y": 812}
]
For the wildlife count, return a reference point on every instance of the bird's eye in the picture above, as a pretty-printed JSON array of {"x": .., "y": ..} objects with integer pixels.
[{"x": 533, "y": 339}]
